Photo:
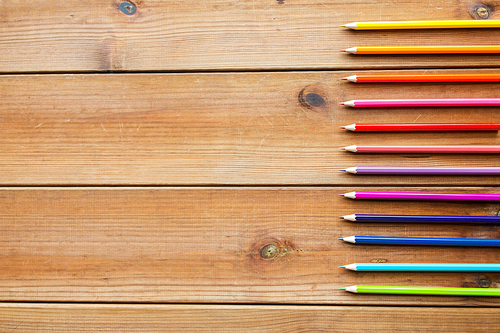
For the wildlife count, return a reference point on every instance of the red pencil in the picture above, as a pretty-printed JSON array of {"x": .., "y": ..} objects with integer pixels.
[
  {"x": 423, "y": 127},
  {"x": 425, "y": 149}
]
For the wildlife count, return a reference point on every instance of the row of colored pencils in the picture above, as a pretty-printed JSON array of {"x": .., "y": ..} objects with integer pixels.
[{"x": 371, "y": 127}]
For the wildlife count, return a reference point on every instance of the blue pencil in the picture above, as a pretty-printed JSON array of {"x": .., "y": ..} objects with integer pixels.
[
  {"x": 420, "y": 218},
  {"x": 384, "y": 267},
  {"x": 421, "y": 241}
]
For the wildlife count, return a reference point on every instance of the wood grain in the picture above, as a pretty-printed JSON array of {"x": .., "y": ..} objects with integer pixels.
[
  {"x": 212, "y": 129},
  {"x": 237, "y": 318},
  {"x": 192, "y": 245},
  {"x": 69, "y": 36}
]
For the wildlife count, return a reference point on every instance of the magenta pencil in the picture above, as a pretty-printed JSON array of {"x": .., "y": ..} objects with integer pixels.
[
  {"x": 421, "y": 196},
  {"x": 374, "y": 103},
  {"x": 425, "y": 149}
]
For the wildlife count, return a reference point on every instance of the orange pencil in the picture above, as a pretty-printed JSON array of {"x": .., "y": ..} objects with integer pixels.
[
  {"x": 436, "y": 49},
  {"x": 369, "y": 78}
]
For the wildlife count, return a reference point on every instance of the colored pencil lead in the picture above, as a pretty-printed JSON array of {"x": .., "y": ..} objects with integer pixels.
[
  {"x": 341, "y": 266},
  {"x": 342, "y": 127},
  {"x": 342, "y": 288},
  {"x": 340, "y": 239},
  {"x": 341, "y": 217},
  {"x": 342, "y": 169},
  {"x": 341, "y": 103},
  {"x": 343, "y": 51},
  {"x": 342, "y": 148},
  {"x": 343, "y": 78},
  {"x": 342, "y": 26}
]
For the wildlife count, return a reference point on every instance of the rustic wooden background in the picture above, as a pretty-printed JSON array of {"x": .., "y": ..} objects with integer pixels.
[{"x": 147, "y": 159}]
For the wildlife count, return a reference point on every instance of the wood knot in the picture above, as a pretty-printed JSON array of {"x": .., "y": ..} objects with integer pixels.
[
  {"x": 272, "y": 249},
  {"x": 280, "y": 2},
  {"x": 127, "y": 8},
  {"x": 484, "y": 281},
  {"x": 480, "y": 11},
  {"x": 312, "y": 97},
  {"x": 269, "y": 251},
  {"x": 378, "y": 261}
]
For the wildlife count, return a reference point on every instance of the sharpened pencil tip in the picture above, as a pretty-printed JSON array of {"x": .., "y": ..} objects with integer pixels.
[
  {"x": 343, "y": 51},
  {"x": 342, "y": 288},
  {"x": 342, "y": 127},
  {"x": 341, "y": 195},
  {"x": 341, "y": 266},
  {"x": 342, "y": 26},
  {"x": 343, "y": 148},
  {"x": 342, "y": 169},
  {"x": 340, "y": 239},
  {"x": 341, "y": 103},
  {"x": 343, "y": 78},
  {"x": 341, "y": 217}
]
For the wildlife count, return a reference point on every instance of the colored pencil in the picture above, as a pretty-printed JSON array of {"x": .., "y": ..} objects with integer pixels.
[
  {"x": 383, "y": 240},
  {"x": 424, "y": 149},
  {"x": 420, "y": 218},
  {"x": 381, "y": 78},
  {"x": 410, "y": 267},
  {"x": 441, "y": 291},
  {"x": 432, "y": 49},
  {"x": 404, "y": 103},
  {"x": 467, "y": 171},
  {"x": 367, "y": 195},
  {"x": 422, "y": 127},
  {"x": 451, "y": 24}
]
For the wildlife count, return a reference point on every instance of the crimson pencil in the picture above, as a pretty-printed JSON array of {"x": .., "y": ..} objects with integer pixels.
[
  {"x": 423, "y": 127},
  {"x": 424, "y": 149},
  {"x": 380, "y": 78}
]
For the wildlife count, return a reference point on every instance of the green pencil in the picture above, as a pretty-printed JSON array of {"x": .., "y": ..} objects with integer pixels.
[{"x": 424, "y": 290}]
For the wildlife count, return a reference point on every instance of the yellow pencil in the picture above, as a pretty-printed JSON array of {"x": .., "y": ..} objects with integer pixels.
[
  {"x": 437, "y": 49},
  {"x": 454, "y": 24}
]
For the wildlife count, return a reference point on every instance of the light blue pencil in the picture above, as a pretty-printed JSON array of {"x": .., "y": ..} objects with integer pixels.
[{"x": 408, "y": 267}]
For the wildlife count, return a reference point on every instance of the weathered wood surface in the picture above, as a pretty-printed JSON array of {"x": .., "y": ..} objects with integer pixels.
[
  {"x": 204, "y": 246},
  {"x": 215, "y": 318},
  {"x": 226, "y": 35},
  {"x": 243, "y": 128}
]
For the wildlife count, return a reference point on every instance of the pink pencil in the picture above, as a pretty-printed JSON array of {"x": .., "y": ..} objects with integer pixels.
[
  {"x": 425, "y": 149},
  {"x": 373, "y": 103}
]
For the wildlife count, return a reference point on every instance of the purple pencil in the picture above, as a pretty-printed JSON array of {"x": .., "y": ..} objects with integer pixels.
[
  {"x": 373, "y": 170},
  {"x": 421, "y": 196}
]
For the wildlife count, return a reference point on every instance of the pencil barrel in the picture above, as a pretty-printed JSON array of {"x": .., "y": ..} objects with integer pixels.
[
  {"x": 426, "y": 218},
  {"x": 429, "y": 291},
  {"x": 428, "y": 78}
]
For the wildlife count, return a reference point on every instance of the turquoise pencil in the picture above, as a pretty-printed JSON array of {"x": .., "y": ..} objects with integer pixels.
[{"x": 421, "y": 267}]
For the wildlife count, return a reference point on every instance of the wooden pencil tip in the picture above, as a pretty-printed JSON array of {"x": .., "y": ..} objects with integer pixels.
[
  {"x": 342, "y": 288},
  {"x": 343, "y": 78}
]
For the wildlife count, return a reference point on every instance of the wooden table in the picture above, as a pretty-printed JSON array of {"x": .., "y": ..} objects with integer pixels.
[{"x": 177, "y": 168}]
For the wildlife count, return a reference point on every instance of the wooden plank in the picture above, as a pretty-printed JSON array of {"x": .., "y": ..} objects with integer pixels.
[
  {"x": 237, "y": 318},
  {"x": 248, "y": 128},
  {"x": 196, "y": 245},
  {"x": 225, "y": 35}
]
